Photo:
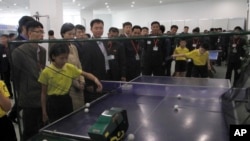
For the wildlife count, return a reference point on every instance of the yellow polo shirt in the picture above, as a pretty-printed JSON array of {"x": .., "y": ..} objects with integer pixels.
[
  {"x": 59, "y": 81},
  {"x": 198, "y": 58},
  {"x": 4, "y": 91},
  {"x": 180, "y": 50}
]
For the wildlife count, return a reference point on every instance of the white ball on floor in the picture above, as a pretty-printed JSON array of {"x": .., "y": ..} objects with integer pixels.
[
  {"x": 179, "y": 96},
  {"x": 86, "y": 110},
  {"x": 131, "y": 137},
  {"x": 87, "y": 105},
  {"x": 176, "y": 107},
  {"x": 44, "y": 140}
]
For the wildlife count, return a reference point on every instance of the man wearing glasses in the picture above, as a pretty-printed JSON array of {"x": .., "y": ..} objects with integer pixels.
[{"x": 28, "y": 61}]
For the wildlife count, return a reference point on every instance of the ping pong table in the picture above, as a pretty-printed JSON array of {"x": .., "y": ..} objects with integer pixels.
[
  {"x": 149, "y": 102},
  {"x": 213, "y": 54}
]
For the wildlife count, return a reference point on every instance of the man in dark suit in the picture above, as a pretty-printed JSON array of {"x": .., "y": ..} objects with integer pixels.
[
  {"x": 22, "y": 35},
  {"x": 95, "y": 59},
  {"x": 28, "y": 60},
  {"x": 155, "y": 51},
  {"x": 116, "y": 53},
  {"x": 127, "y": 29}
]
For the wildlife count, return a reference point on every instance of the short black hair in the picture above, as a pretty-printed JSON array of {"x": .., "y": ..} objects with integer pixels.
[
  {"x": 23, "y": 21},
  {"x": 96, "y": 21},
  {"x": 33, "y": 24},
  {"x": 155, "y": 22},
  {"x": 58, "y": 49},
  {"x": 205, "y": 45},
  {"x": 113, "y": 29},
  {"x": 136, "y": 27},
  {"x": 80, "y": 27},
  {"x": 186, "y": 27},
  {"x": 197, "y": 29},
  {"x": 66, "y": 27},
  {"x": 5, "y": 35},
  {"x": 126, "y": 23},
  {"x": 88, "y": 35},
  {"x": 182, "y": 39},
  {"x": 145, "y": 28},
  {"x": 219, "y": 28},
  {"x": 162, "y": 28},
  {"x": 238, "y": 28},
  {"x": 174, "y": 26},
  {"x": 12, "y": 35},
  {"x": 50, "y": 32}
]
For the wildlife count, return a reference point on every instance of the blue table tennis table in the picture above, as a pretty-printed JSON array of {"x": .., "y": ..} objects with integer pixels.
[
  {"x": 213, "y": 54},
  {"x": 149, "y": 102}
]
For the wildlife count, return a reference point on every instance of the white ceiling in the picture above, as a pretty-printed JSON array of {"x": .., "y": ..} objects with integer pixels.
[{"x": 101, "y": 6}]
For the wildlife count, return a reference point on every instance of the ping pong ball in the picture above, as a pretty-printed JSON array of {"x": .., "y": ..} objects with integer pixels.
[
  {"x": 176, "y": 107},
  {"x": 44, "y": 140},
  {"x": 87, "y": 105},
  {"x": 131, "y": 137},
  {"x": 86, "y": 110},
  {"x": 179, "y": 96}
]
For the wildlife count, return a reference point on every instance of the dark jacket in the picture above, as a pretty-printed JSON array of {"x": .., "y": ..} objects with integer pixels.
[
  {"x": 117, "y": 62},
  {"x": 93, "y": 61},
  {"x": 26, "y": 70},
  {"x": 4, "y": 60},
  {"x": 234, "y": 53},
  {"x": 153, "y": 57}
]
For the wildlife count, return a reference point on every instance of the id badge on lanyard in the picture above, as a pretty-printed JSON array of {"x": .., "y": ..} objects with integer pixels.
[
  {"x": 155, "y": 48},
  {"x": 137, "y": 57}
]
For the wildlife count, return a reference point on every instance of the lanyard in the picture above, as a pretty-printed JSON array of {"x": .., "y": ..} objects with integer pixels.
[
  {"x": 155, "y": 41},
  {"x": 234, "y": 41},
  {"x": 197, "y": 41},
  {"x": 110, "y": 45},
  {"x": 136, "y": 47}
]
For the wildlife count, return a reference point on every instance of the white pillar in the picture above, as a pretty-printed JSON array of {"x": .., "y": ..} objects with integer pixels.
[
  {"x": 51, "y": 14},
  {"x": 248, "y": 16}
]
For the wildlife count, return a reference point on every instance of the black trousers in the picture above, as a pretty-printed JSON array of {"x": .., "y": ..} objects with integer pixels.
[
  {"x": 155, "y": 70},
  {"x": 32, "y": 122},
  {"x": 168, "y": 67},
  {"x": 233, "y": 66},
  {"x": 7, "y": 131},
  {"x": 200, "y": 71},
  {"x": 189, "y": 69},
  {"x": 58, "y": 106}
]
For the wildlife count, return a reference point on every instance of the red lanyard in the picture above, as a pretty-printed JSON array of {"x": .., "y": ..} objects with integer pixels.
[
  {"x": 136, "y": 47},
  {"x": 197, "y": 41},
  {"x": 110, "y": 45},
  {"x": 236, "y": 42},
  {"x": 156, "y": 41}
]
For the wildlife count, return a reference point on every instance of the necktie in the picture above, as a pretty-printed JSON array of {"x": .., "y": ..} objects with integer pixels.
[{"x": 104, "y": 52}]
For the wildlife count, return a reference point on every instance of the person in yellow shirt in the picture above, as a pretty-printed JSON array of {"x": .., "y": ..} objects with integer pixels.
[
  {"x": 56, "y": 81},
  {"x": 200, "y": 59},
  {"x": 6, "y": 127},
  {"x": 180, "y": 62}
]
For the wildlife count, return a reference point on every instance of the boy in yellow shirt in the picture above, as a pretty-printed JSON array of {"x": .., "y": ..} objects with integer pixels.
[
  {"x": 180, "y": 62},
  {"x": 200, "y": 59},
  {"x": 7, "y": 131},
  {"x": 56, "y": 81}
]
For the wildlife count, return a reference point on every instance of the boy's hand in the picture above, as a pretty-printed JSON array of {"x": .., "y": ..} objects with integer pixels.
[
  {"x": 99, "y": 85},
  {"x": 209, "y": 67}
]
